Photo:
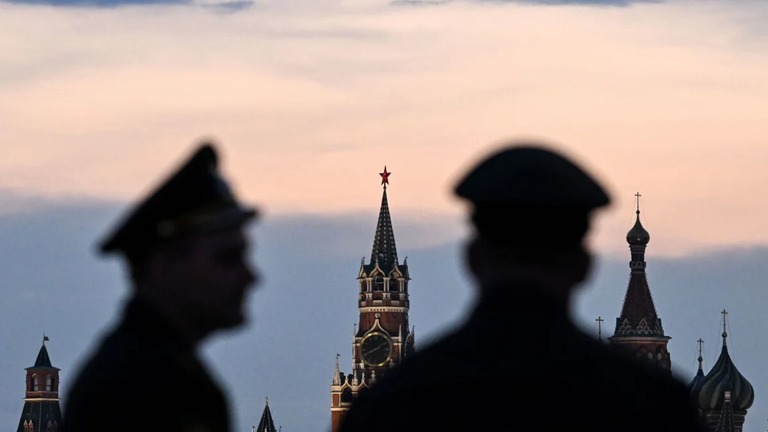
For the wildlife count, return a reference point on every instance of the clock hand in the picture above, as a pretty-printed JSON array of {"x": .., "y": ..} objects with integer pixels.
[{"x": 379, "y": 347}]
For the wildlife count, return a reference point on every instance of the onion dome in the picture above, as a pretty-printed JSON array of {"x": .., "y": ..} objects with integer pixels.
[
  {"x": 638, "y": 235},
  {"x": 724, "y": 377},
  {"x": 695, "y": 385}
]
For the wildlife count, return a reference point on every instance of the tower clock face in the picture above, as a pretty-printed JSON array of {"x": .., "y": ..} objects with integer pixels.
[{"x": 376, "y": 349}]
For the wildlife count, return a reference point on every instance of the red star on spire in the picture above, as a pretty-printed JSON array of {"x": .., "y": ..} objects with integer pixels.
[{"x": 385, "y": 176}]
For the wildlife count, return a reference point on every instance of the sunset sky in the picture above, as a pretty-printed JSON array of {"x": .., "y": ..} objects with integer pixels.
[{"x": 310, "y": 99}]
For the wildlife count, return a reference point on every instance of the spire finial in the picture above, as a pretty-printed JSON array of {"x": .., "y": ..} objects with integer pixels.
[
  {"x": 385, "y": 177},
  {"x": 45, "y": 338},
  {"x": 700, "y": 342},
  {"x": 267, "y": 400},
  {"x": 724, "y": 312},
  {"x": 637, "y": 198},
  {"x": 599, "y": 327}
]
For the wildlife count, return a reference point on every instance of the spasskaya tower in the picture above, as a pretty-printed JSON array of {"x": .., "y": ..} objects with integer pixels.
[{"x": 382, "y": 337}]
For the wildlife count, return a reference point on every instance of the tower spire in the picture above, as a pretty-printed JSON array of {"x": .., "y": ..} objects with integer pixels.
[
  {"x": 384, "y": 251},
  {"x": 266, "y": 424}
]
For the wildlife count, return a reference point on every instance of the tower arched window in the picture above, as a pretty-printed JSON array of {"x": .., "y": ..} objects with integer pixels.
[
  {"x": 394, "y": 285},
  {"x": 48, "y": 383},
  {"x": 346, "y": 395},
  {"x": 378, "y": 283},
  {"x": 35, "y": 383}
]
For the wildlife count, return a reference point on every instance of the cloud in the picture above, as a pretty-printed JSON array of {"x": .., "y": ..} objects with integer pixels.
[
  {"x": 224, "y": 5},
  {"x": 96, "y": 3},
  {"x": 577, "y": 2},
  {"x": 420, "y": 2},
  {"x": 534, "y": 2},
  {"x": 218, "y": 5}
]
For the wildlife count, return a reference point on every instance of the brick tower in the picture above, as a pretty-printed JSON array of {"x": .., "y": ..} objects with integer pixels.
[
  {"x": 382, "y": 337},
  {"x": 41, "y": 412}
]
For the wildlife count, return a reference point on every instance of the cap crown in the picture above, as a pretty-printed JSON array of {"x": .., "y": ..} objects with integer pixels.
[
  {"x": 194, "y": 197},
  {"x": 531, "y": 175}
]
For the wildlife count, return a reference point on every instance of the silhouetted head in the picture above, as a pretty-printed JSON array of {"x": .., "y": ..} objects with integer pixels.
[
  {"x": 531, "y": 207},
  {"x": 186, "y": 247}
]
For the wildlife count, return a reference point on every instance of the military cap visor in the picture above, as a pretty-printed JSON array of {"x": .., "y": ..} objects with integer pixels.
[{"x": 195, "y": 198}]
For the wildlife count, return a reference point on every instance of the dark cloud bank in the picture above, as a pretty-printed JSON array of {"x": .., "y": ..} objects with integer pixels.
[{"x": 52, "y": 282}]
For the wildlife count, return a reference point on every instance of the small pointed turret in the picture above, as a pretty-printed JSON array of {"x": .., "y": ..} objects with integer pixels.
[
  {"x": 43, "y": 359},
  {"x": 336, "y": 373},
  {"x": 266, "y": 424}
]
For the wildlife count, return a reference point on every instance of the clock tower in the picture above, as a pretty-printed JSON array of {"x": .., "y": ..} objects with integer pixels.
[{"x": 382, "y": 337}]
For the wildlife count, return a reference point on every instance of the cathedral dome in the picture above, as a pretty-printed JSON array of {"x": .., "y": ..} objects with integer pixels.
[
  {"x": 695, "y": 385},
  {"x": 725, "y": 377},
  {"x": 638, "y": 235}
]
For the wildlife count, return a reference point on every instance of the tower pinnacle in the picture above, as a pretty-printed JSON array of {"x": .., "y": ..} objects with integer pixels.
[
  {"x": 385, "y": 177},
  {"x": 384, "y": 251}
]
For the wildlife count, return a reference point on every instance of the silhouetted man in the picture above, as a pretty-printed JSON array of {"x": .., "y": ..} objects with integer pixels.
[
  {"x": 518, "y": 362},
  {"x": 187, "y": 256}
]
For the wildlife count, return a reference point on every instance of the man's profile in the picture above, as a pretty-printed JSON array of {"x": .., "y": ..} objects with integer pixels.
[{"x": 186, "y": 253}]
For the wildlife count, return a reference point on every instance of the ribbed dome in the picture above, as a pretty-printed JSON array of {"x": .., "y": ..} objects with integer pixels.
[
  {"x": 695, "y": 385},
  {"x": 725, "y": 377},
  {"x": 638, "y": 235}
]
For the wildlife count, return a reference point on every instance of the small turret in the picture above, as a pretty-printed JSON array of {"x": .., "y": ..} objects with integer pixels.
[{"x": 41, "y": 412}]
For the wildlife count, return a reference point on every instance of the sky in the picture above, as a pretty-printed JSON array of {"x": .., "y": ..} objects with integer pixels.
[{"x": 309, "y": 100}]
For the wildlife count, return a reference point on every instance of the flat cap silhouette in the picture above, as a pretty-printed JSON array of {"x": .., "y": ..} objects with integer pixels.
[
  {"x": 529, "y": 192},
  {"x": 193, "y": 198}
]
